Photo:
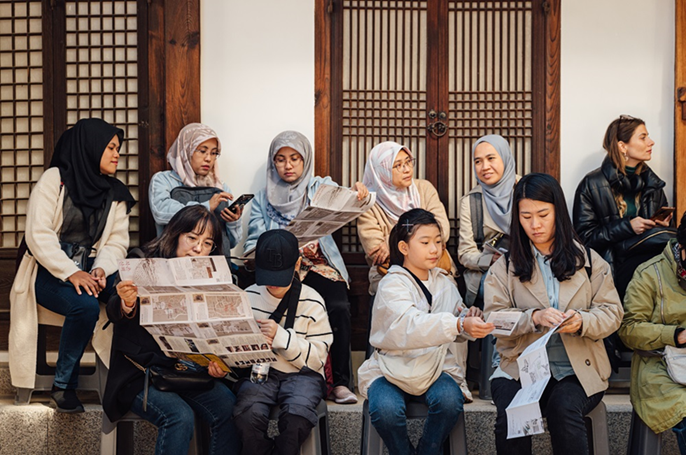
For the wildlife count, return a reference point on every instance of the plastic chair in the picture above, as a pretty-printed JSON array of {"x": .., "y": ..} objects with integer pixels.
[
  {"x": 318, "y": 442},
  {"x": 45, "y": 374},
  {"x": 116, "y": 438},
  {"x": 372, "y": 444},
  {"x": 596, "y": 426},
  {"x": 642, "y": 440}
]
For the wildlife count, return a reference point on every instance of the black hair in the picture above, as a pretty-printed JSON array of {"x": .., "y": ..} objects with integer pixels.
[
  {"x": 184, "y": 221},
  {"x": 681, "y": 232},
  {"x": 405, "y": 228},
  {"x": 566, "y": 256}
]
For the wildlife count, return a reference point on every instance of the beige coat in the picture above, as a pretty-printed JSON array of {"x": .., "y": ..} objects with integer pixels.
[
  {"x": 43, "y": 223},
  {"x": 374, "y": 226},
  {"x": 476, "y": 262},
  {"x": 596, "y": 300}
]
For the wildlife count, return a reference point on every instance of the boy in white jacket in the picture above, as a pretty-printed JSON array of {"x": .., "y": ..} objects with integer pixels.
[{"x": 293, "y": 318}]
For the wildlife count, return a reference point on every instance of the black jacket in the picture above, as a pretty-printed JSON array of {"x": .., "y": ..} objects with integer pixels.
[
  {"x": 596, "y": 215},
  {"x": 125, "y": 380}
]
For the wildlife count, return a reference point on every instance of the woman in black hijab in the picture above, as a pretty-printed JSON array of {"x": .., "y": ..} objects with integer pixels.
[{"x": 77, "y": 227}]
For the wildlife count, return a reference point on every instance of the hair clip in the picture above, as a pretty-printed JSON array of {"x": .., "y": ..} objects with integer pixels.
[{"x": 407, "y": 225}]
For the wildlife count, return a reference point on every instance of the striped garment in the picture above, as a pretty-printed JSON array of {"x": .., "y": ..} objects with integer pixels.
[{"x": 308, "y": 342}]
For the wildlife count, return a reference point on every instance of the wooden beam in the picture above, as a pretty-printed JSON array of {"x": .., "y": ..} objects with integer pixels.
[
  {"x": 322, "y": 86},
  {"x": 552, "y": 89},
  {"x": 680, "y": 109}
]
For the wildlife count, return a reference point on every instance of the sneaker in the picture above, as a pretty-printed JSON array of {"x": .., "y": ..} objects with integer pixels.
[
  {"x": 65, "y": 400},
  {"x": 343, "y": 395}
]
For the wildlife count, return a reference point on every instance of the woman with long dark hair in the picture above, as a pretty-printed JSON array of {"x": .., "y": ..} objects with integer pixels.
[
  {"x": 77, "y": 227},
  {"x": 548, "y": 277},
  {"x": 192, "y": 231},
  {"x": 613, "y": 204}
]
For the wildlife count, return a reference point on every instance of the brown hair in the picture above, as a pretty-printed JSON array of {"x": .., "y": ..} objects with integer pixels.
[{"x": 621, "y": 129}]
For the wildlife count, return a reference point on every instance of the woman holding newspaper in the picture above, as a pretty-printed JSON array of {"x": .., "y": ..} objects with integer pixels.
[
  {"x": 290, "y": 188},
  {"x": 553, "y": 282},
  {"x": 192, "y": 231}
]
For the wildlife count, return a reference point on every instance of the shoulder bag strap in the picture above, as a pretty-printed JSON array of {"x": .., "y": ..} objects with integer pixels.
[
  {"x": 477, "y": 212},
  {"x": 425, "y": 291}
]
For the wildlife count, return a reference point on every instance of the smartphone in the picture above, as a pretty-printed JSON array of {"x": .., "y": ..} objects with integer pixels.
[
  {"x": 662, "y": 213},
  {"x": 241, "y": 201}
]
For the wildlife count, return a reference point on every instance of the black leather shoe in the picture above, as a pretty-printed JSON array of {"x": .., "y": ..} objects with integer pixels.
[{"x": 65, "y": 400}]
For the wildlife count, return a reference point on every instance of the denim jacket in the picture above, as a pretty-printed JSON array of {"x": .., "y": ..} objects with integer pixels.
[
  {"x": 260, "y": 222},
  {"x": 163, "y": 207}
]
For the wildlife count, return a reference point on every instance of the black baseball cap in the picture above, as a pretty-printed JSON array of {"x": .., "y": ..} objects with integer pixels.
[{"x": 275, "y": 257}]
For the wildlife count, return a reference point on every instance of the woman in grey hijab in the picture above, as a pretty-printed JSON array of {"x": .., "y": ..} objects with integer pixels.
[
  {"x": 290, "y": 188},
  {"x": 491, "y": 201}
]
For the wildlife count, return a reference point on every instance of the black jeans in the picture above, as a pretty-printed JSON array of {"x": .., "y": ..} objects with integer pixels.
[
  {"x": 564, "y": 403},
  {"x": 335, "y": 295}
]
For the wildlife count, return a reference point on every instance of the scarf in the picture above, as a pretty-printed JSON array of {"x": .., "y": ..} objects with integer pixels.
[
  {"x": 680, "y": 265},
  {"x": 77, "y": 155},
  {"x": 378, "y": 177},
  {"x": 179, "y": 156},
  {"x": 498, "y": 197},
  {"x": 287, "y": 200}
]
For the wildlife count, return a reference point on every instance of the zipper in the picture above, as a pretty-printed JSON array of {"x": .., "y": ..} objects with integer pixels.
[{"x": 646, "y": 238}]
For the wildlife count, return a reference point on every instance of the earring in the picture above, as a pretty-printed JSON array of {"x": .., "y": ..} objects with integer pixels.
[{"x": 626, "y": 157}]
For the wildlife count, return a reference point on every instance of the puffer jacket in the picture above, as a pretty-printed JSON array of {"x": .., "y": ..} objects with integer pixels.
[{"x": 596, "y": 215}]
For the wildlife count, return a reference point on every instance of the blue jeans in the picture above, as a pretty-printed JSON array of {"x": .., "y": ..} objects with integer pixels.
[
  {"x": 680, "y": 431},
  {"x": 172, "y": 414},
  {"x": 564, "y": 403},
  {"x": 388, "y": 404},
  {"x": 80, "y": 312}
]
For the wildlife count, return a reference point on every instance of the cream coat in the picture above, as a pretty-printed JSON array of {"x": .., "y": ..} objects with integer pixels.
[
  {"x": 476, "y": 262},
  {"x": 402, "y": 325},
  {"x": 43, "y": 223},
  {"x": 374, "y": 226},
  {"x": 596, "y": 300}
]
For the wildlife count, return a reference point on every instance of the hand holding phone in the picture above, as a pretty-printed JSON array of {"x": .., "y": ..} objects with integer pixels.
[
  {"x": 240, "y": 202},
  {"x": 663, "y": 213}
]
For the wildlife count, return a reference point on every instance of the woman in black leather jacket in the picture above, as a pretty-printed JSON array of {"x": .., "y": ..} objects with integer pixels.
[{"x": 613, "y": 204}]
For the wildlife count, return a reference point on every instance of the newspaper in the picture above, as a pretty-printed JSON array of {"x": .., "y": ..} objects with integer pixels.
[
  {"x": 504, "y": 321},
  {"x": 524, "y": 413},
  {"x": 331, "y": 208},
  {"x": 194, "y": 312}
]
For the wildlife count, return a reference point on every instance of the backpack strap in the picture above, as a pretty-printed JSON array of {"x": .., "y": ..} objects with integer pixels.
[
  {"x": 421, "y": 285},
  {"x": 476, "y": 209}
]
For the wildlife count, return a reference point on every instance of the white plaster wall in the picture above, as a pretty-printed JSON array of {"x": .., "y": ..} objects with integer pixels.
[
  {"x": 257, "y": 79},
  {"x": 257, "y": 67},
  {"x": 617, "y": 58}
]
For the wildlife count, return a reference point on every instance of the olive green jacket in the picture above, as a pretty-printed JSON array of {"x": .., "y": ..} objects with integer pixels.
[{"x": 658, "y": 400}]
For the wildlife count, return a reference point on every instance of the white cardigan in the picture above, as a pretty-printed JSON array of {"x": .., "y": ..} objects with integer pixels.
[{"x": 43, "y": 224}]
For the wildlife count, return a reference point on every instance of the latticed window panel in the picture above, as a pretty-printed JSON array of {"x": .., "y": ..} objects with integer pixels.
[
  {"x": 21, "y": 113},
  {"x": 490, "y": 87},
  {"x": 102, "y": 77},
  {"x": 383, "y": 86}
]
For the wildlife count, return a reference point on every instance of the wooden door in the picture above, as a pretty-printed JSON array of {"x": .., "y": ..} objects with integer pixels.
[{"x": 433, "y": 75}]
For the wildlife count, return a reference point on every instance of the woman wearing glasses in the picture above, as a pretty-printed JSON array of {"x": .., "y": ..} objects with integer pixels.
[
  {"x": 193, "y": 159},
  {"x": 290, "y": 188},
  {"x": 390, "y": 173},
  {"x": 613, "y": 204},
  {"x": 192, "y": 231}
]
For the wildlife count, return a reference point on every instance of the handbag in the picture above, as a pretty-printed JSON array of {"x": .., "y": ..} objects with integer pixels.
[
  {"x": 674, "y": 358},
  {"x": 177, "y": 378},
  {"x": 186, "y": 194},
  {"x": 77, "y": 253},
  {"x": 416, "y": 375},
  {"x": 651, "y": 242}
]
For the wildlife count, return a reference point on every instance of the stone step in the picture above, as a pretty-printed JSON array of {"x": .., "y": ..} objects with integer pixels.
[{"x": 38, "y": 429}]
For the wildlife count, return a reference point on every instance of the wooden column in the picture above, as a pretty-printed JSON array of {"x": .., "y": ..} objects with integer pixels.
[{"x": 680, "y": 109}]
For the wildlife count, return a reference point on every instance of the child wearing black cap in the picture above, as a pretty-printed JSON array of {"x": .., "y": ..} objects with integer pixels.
[{"x": 292, "y": 316}]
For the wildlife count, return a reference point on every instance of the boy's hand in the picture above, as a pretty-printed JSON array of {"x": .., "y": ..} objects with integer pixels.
[{"x": 268, "y": 328}]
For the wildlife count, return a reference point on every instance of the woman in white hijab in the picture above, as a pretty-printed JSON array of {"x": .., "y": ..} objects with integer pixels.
[
  {"x": 193, "y": 159},
  {"x": 389, "y": 172},
  {"x": 290, "y": 188},
  {"x": 495, "y": 170}
]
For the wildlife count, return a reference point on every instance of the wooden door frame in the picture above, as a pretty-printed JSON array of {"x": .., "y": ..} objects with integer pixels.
[
  {"x": 680, "y": 108},
  {"x": 546, "y": 109}
]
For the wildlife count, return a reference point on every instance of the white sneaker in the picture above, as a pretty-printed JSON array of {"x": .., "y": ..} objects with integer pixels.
[{"x": 343, "y": 395}]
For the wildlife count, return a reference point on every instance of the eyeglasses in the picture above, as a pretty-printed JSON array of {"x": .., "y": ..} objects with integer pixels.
[
  {"x": 281, "y": 161},
  {"x": 626, "y": 118},
  {"x": 193, "y": 240},
  {"x": 213, "y": 154},
  {"x": 410, "y": 162}
]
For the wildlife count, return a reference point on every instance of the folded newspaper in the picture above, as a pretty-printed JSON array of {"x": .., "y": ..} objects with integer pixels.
[
  {"x": 524, "y": 413},
  {"x": 194, "y": 313},
  {"x": 332, "y": 207}
]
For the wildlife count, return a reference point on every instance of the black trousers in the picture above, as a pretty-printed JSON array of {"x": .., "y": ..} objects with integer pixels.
[
  {"x": 564, "y": 403},
  {"x": 335, "y": 295}
]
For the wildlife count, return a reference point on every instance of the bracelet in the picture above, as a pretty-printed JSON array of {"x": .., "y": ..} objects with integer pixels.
[{"x": 462, "y": 316}]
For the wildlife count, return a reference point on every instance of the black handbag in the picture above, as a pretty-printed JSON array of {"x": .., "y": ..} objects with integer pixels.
[
  {"x": 186, "y": 194},
  {"x": 651, "y": 242},
  {"x": 77, "y": 253}
]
